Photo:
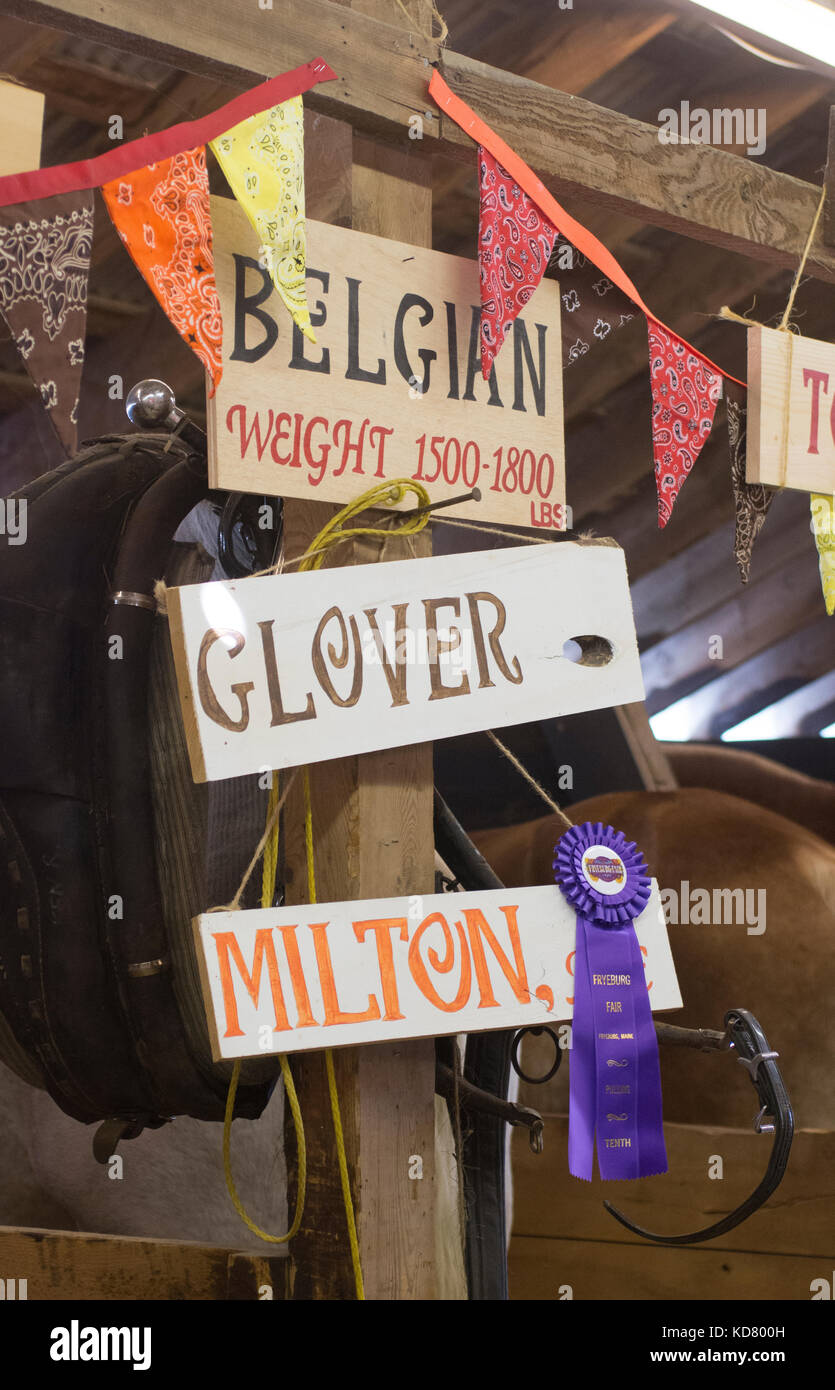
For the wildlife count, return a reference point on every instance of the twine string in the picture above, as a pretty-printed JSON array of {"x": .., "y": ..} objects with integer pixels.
[{"x": 529, "y": 777}]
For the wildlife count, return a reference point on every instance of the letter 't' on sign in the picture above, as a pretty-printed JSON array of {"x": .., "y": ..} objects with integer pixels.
[{"x": 289, "y": 669}]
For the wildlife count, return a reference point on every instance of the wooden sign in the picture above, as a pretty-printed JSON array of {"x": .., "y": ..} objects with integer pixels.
[
  {"x": 297, "y": 668},
  {"x": 791, "y": 411},
  {"x": 392, "y": 388},
  {"x": 330, "y": 974}
]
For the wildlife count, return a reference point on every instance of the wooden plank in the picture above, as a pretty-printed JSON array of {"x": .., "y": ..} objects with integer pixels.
[
  {"x": 796, "y": 1220},
  {"x": 81, "y": 1267},
  {"x": 382, "y": 68},
  {"x": 598, "y": 1270},
  {"x": 649, "y": 757},
  {"x": 292, "y": 668},
  {"x": 697, "y": 190},
  {"x": 21, "y": 124},
  {"x": 802, "y": 656},
  {"x": 805, "y": 711},
  {"x": 576, "y": 147},
  {"x": 760, "y": 615},
  {"x": 363, "y": 972},
  {"x": 705, "y": 574},
  {"x": 372, "y": 820},
  {"x": 791, "y": 411},
  {"x": 392, "y": 387},
  {"x": 586, "y": 45}
]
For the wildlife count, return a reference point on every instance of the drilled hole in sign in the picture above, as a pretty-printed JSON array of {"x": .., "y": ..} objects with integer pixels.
[{"x": 588, "y": 651}]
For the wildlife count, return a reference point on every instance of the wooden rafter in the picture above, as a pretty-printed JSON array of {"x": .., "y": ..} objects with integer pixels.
[{"x": 576, "y": 147}]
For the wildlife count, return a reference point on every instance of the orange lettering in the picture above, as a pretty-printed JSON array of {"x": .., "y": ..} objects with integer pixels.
[
  {"x": 388, "y": 979},
  {"x": 333, "y": 1013},
  {"x": 518, "y": 980},
  {"x": 444, "y": 966},
  {"x": 294, "y": 961},
  {"x": 227, "y": 945}
]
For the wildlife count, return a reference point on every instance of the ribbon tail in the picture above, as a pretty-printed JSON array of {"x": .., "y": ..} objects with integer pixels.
[{"x": 582, "y": 1068}]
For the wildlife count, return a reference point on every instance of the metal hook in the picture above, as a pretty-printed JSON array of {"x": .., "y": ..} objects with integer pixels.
[{"x": 750, "y": 1044}]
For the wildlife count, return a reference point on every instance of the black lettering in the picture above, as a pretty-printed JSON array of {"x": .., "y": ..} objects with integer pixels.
[
  {"x": 318, "y": 315},
  {"x": 427, "y": 355},
  {"x": 474, "y": 362},
  {"x": 247, "y": 306},
  {"x": 522, "y": 346}
]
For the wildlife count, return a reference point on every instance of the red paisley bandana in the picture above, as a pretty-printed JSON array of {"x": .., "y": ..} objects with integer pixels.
[
  {"x": 162, "y": 214},
  {"x": 515, "y": 241},
  {"x": 684, "y": 395}
]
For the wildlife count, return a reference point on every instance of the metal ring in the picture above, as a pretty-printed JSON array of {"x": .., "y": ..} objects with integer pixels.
[
  {"x": 133, "y": 600},
  {"x": 514, "y": 1056}
]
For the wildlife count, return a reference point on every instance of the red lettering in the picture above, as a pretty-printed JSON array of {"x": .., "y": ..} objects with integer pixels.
[{"x": 818, "y": 380}]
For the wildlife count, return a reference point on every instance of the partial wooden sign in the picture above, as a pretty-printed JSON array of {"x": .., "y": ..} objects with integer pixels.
[
  {"x": 289, "y": 669},
  {"x": 332, "y": 974},
  {"x": 392, "y": 388},
  {"x": 21, "y": 127},
  {"x": 791, "y": 411}
]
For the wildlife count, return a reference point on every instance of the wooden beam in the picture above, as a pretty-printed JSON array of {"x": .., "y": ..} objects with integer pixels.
[
  {"x": 588, "y": 43},
  {"x": 696, "y": 190},
  {"x": 576, "y": 147},
  {"x": 804, "y": 711},
  {"x": 794, "y": 1221},
  {"x": 801, "y": 657},
  {"x": 705, "y": 574},
  {"x": 757, "y": 617},
  {"x": 75, "y": 1266},
  {"x": 372, "y": 820}
]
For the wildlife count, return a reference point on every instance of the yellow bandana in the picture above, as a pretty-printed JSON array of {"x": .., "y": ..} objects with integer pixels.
[
  {"x": 263, "y": 159},
  {"x": 823, "y": 527}
]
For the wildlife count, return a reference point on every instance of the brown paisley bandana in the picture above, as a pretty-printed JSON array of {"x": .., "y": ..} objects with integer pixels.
[
  {"x": 592, "y": 307},
  {"x": 751, "y": 500},
  {"x": 44, "y": 267}
]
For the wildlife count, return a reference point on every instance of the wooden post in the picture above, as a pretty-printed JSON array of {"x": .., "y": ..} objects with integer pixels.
[
  {"x": 372, "y": 833},
  {"x": 21, "y": 124}
]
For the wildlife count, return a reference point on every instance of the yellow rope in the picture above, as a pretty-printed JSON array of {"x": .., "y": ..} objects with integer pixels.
[
  {"x": 269, "y": 847},
  {"x": 334, "y": 533}
]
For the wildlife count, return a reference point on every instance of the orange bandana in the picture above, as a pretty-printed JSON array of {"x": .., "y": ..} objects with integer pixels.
[{"x": 162, "y": 214}]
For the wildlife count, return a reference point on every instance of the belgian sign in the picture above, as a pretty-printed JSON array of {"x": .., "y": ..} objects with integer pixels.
[
  {"x": 791, "y": 411},
  {"x": 332, "y": 974},
  {"x": 392, "y": 387},
  {"x": 287, "y": 669}
]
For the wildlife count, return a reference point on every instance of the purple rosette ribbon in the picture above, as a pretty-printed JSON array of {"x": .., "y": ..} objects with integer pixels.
[{"x": 615, "y": 1080}]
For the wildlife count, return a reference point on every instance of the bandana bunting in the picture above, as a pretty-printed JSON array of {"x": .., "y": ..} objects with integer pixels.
[
  {"x": 515, "y": 241},
  {"x": 162, "y": 215},
  {"x": 263, "y": 160},
  {"x": 685, "y": 391}
]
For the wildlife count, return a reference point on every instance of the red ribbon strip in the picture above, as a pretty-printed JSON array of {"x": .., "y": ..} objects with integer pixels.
[
  {"x": 585, "y": 241},
  {"x": 150, "y": 149}
]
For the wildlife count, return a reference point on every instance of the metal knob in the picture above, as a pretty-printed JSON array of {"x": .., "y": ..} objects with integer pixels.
[{"x": 152, "y": 404}]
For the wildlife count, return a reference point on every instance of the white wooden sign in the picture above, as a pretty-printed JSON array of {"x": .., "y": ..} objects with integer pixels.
[
  {"x": 392, "y": 387},
  {"x": 331, "y": 974},
  {"x": 297, "y": 668},
  {"x": 791, "y": 411}
]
